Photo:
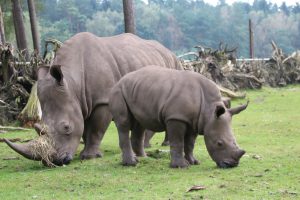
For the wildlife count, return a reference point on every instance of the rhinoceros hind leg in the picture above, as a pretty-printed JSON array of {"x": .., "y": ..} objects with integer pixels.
[
  {"x": 148, "y": 135},
  {"x": 94, "y": 129},
  {"x": 192, "y": 160},
  {"x": 189, "y": 143},
  {"x": 176, "y": 132},
  {"x": 129, "y": 160},
  {"x": 166, "y": 140},
  {"x": 137, "y": 139}
]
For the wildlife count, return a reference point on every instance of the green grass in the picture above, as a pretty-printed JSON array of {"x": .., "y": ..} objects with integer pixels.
[{"x": 268, "y": 130}]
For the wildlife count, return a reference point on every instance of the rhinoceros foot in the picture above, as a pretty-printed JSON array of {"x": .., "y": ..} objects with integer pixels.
[
  {"x": 140, "y": 153},
  {"x": 138, "y": 150},
  {"x": 85, "y": 155},
  {"x": 192, "y": 160},
  {"x": 165, "y": 143},
  {"x": 179, "y": 163},
  {"x": 129, "y": 161}
]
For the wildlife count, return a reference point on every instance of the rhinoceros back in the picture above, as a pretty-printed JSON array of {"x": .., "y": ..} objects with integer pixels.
[
  {"x": 155, "y": 95},
  {"x": 92, "y": 65}
]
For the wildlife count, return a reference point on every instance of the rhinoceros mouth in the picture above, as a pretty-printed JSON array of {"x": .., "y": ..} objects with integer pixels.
[
  {"x": 227, "y": 164},
  {"x": 60, "y": 162}
]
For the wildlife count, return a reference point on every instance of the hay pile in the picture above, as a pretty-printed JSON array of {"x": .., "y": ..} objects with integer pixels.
[
  {"x": 17, "y": 78},
  {"x": 43, "y": 147}
]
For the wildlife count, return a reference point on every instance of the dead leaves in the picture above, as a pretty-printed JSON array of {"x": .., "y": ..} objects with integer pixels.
[
  {"x": 196, "y": 188},
  {"x": 11, "y": 158},
  {"x": 258, "y": 175},
  {"x": 284, "y": 192},
  {"x": 288, "y": 192},
  {"x": 257, "y": 157}
]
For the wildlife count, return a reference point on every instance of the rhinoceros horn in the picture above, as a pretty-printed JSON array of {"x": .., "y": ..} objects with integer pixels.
[
  {"x": 23, "y": 149},
  {"x": 40, "y": 129},
  {"x": 237, "y": 110}
]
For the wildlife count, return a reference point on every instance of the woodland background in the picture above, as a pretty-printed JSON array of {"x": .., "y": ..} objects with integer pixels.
[
  {"x": 178, "y": 24},
  {"x": 220, "y": 32}
]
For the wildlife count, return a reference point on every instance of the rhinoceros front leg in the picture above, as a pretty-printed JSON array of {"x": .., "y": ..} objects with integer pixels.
[
  {"x": 189, "y": 143},
  {"x": 94, "y": 129},
  {"x": 176, "y": 132},
  {"x": 137, "y": 139},
  {"x": 128, "y": 157}
]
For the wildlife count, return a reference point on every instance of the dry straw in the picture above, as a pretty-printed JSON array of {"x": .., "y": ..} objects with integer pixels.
[{"x": 43, "y": 147}]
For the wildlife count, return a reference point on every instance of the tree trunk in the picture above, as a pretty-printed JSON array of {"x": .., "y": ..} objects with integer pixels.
[
  {"x": 129, "y": 16},
  {"x": 20, "y": 28},
  {"x": 4, "y": 67},
  {"x": 2, "y": 35},
  {"x": 5, "y": 58},
  {"x": 16, "y": 30},
  {"x": 34, "y": 27},
  {"x": 251, "y": 48}
]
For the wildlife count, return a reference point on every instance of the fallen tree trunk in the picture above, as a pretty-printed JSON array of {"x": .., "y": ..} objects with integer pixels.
[
  {"x": 235, "y": 74},
  {"x": 10, "y": 128},
  {"x": 228, "y": 93}
]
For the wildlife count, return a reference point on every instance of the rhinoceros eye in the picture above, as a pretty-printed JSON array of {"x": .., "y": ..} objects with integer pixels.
[{"x": 220, "y": 143}]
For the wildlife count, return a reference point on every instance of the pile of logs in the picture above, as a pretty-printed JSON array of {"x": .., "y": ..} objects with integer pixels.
[
  {"x": 222, "y": 67},
  {"x": 18, "y": 97},
  {"x": 282, "y": 69},
  {"x": 16, "y": 80}
]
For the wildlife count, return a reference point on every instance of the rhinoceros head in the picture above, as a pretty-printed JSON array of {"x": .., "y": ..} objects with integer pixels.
[
  {"x": 62, "y": 119},
  {"x": 219, "y": 139}
]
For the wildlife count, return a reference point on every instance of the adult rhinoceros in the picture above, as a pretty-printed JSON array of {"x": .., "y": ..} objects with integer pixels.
[
  {"x": 182, "y": 103},
  {"x": 74, "y": 91}
]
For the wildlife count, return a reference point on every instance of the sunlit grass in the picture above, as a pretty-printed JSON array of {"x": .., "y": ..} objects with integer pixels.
[{"x": 269, "y": 130}]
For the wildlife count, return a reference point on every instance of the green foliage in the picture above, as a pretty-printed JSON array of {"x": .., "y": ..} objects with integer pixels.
[
  {"x": 179, "y": 25},
  {"x": 9, "y": 24},
  {"x": 9, "y": 28},
  {"x": 106, "y": 23},
  {"x": 268, "y": 130},
  {"x": 55, "y": 30},
  {"x": 158, "y": 24}
]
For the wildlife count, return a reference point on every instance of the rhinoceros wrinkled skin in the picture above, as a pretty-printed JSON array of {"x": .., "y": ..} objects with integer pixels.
[
  {"x": 74, "y": 91},
  {"x": 149, "y": 134},
  {"x": 182, "y": 103}
]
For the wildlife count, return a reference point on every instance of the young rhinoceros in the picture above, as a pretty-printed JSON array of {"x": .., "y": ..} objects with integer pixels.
[{"x": 182, "y": 103}]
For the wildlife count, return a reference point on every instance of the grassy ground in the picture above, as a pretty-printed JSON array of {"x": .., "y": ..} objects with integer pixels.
[{"x": 269, "y": 130}]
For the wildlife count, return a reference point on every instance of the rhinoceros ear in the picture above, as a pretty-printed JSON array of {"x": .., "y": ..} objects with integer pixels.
[
  {"x": 55, "y": 71},
  {"x": 42, "y": 71},
  {"x": 220, "y": 110},
  {"x": 227, "y": 102}
]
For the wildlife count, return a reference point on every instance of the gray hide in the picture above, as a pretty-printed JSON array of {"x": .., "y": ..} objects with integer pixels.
[
  {"x": 180, "y": 102},
  {"x": 74, "y": 91},
  {"x": 149, "y": 134}
]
